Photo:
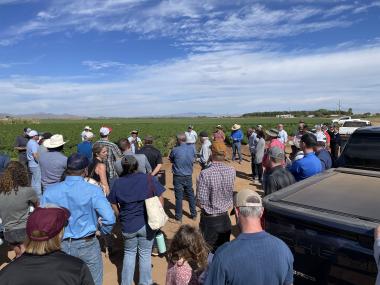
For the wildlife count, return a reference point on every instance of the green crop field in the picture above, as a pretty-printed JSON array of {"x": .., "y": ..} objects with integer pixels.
[{"x": 162, "y": 129}]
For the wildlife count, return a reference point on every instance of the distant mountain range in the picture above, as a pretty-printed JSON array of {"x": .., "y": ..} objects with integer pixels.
[{"x": 42, "y": 116}]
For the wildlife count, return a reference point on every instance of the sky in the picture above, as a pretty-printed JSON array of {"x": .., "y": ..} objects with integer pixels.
[{"x": 133, "y": 58}]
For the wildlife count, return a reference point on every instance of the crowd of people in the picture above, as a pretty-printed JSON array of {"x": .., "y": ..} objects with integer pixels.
[{"x": 55, "y": 209}]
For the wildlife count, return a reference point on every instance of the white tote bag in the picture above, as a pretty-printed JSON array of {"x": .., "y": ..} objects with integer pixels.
[{"x": 157, "y": 217}]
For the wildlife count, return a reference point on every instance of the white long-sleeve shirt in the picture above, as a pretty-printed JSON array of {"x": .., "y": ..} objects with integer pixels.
[
  {"x": 205, "y": 152},
  {"x": 191, "y": 137},
  {"x": 283, "y": 136}
]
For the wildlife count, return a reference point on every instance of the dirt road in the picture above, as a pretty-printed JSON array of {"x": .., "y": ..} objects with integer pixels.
[{"x": 113, "y": 264}]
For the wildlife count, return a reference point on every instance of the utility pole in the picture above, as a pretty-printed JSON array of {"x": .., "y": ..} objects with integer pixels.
[{"x": 339, "y": 107}]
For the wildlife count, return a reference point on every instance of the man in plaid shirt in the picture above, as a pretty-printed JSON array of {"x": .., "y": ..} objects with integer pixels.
[
  {"x": 215, "y": 188},
  {"x": 114, "y": 153}
]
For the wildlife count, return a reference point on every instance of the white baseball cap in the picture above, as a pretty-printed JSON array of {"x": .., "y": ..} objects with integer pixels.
[
  {"x": 105, "y": 131},
  {"x": 88, "y": 135},
  {"x": 33, "y": 133}
]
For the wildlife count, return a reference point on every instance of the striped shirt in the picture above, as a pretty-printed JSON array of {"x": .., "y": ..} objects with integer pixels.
[
  {"x": 215, "y": 187},
  {"x": 114, "y": 154}
]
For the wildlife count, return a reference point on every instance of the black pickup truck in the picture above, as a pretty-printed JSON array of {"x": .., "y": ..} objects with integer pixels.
[{"x": 328, "y": 220}]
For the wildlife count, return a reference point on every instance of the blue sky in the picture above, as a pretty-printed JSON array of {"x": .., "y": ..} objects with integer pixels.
[{"x": 140, "y": 57}]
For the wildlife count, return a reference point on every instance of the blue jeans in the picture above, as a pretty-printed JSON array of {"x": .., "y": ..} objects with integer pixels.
[
  {"x": 89, "y": 252},
  {"x": 36, "y": 180},
  {"x": 183, "y": 184},
  {"x": 236, "y": 147},
  {"x": 142, "y": 240}
]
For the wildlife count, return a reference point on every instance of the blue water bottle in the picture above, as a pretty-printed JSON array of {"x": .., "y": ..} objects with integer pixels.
[{"x": 161, "y": 243}]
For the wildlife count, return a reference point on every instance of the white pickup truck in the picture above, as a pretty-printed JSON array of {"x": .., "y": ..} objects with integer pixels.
[
  {"x": 350, "y": 126},
  {"x": 340, "y": 121}
]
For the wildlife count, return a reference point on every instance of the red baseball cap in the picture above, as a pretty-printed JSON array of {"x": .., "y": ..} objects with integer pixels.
[{"x": 49, "y": 221}]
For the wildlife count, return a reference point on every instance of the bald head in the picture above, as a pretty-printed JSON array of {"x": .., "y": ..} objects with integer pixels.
[{"x": 181, "y": 137}]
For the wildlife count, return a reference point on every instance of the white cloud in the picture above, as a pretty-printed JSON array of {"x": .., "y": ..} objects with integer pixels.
[
  {"x": 29, "y": 62},
  {"x": 365, "y": 8},
  {"x": 8, "y": 2},
  {"x": 339, "y": 10},
  {"x": 218, "y": 82},
  {"x": 98, "y": 65},
  {"x": 184, "y": 21}
]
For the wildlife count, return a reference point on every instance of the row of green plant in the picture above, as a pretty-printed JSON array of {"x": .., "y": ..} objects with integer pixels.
[{"x": 163, "y": 130}]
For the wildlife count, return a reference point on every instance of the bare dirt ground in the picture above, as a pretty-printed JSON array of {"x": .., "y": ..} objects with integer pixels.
[
  {"x": 159, "y": 265},
  {"x": 113, "y": 264}
]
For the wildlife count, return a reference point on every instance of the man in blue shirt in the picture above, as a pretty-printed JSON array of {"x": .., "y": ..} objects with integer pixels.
[
  {"x": 310, "y": 164},
  {"x": 182, "y": 156},
  {"x": 255, "y": 256},
  {"x": 85, "y": 147},
  {"x": 90, "y": 211},
  {"x": 4, "y": 160},
  {"x": 323, "y": 155},
  {"x": 33, "y": 165},
  {"x": 236, "y": 138}
]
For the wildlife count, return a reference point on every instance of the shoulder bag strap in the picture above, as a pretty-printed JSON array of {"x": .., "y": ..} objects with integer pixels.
[
  {"x": 91, "y": 175},
  {"x": 151, "y": 186}
]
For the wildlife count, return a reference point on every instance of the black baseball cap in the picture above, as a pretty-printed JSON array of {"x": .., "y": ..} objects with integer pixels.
[
  {"x": 77, "y": 161},
  {"x": 309, "y": 139}
]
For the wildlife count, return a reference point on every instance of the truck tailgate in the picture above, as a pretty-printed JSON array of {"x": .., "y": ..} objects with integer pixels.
[{"x": 327, "y": 221}]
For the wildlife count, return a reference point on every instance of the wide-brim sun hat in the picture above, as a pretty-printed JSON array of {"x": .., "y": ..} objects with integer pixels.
[
  {"x": 235, "y": 127},
  {"x": 272, "y": 133},
  {"x": 54, "y": 141}
]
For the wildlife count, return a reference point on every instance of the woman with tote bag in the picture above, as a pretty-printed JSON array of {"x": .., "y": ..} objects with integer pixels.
[{"x": 128, "y": 197}]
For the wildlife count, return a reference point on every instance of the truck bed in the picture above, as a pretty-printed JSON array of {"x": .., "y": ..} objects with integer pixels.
[{"x": 351, "y": 196}]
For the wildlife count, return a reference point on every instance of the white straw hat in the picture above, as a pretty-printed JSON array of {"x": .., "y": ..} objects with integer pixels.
[
  {"x": 54, "y": 141},
  {"x": 235, "y": 127}
]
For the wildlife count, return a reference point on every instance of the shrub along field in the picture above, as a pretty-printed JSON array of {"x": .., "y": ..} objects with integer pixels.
[{"x": 162, "y": 129}]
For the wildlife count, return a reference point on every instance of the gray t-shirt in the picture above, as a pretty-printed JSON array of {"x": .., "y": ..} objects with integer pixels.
[
  {"x": 53, "y": 164},
  {"x": 21, "y": 141},
  {"x": 14, "y": 207},
  {"x": 144, "y": 165}
]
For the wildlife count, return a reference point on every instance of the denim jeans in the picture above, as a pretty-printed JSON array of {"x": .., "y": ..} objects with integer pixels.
[
  {"x": 36, "y": 180},
  {"x": 236, "y": 147},
  {"x": 89, "y": 252},
  {"x": 141, "y": 241},
  {"x": 183, "y": 184}
]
